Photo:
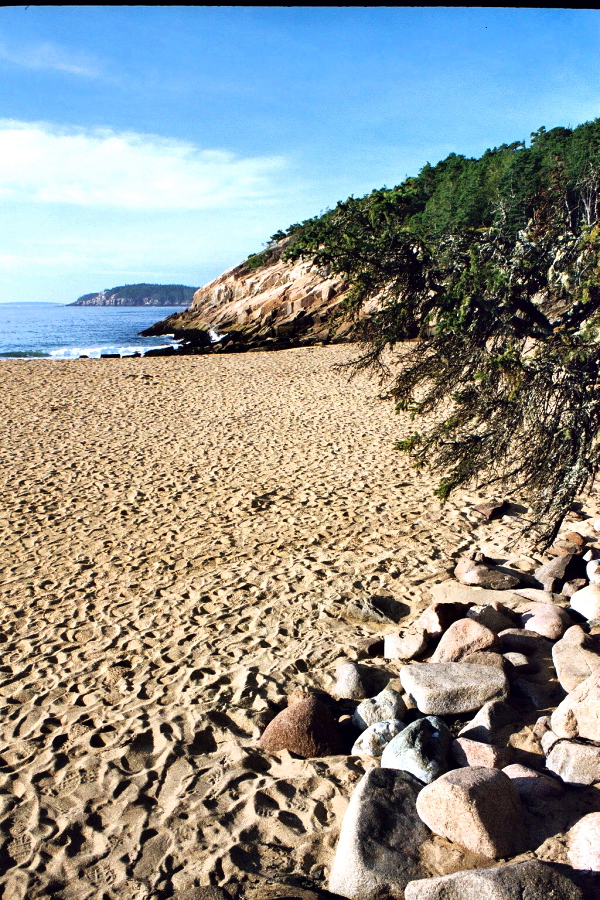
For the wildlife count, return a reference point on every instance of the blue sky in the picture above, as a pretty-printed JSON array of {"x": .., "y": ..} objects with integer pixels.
[{"x": 164, "y": 144}]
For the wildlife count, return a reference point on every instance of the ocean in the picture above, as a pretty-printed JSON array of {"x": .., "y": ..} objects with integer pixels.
[{"x": 55, "y": 331}]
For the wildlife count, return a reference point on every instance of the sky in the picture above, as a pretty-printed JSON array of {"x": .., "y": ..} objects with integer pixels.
[{"x": 164, "y": 144}]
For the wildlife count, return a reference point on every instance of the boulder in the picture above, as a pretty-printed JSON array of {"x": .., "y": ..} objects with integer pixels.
[
  {"x": 376, "y": 737},
  {"x": 587, "y": 601},
  {"x": 578, "y": 715},
  {"x": 576, "y": 656},
  {"x": 546, "y": 619},
  {"x": 528, "y": 880},
  {"x": 571, "y": 587},
  {"x": 441, "y": 689},
  {"x": 306, "y": 728},
  {"x": 466, "y": 752},
  {"x": 575, "y": 763},
  {"x": 485, "y": 658},
  {"x": 476, "y": 807},
  {"x": 421, "y": 749},
  {"x": 489, "y": 720},
  {"x": 533, "y": 787},
  {"x": 561, "y": 568},
  {"x": 495, "y": 616},
  {"x": 583, "y": 842},
  {"x": 463, "y": 637},
  {"x": 354, "y": 682},
  {"x": 410, "y": 645},
  {"x": 476, "y": 574},
  {"x": 451, "y": 591},
  {"x": 520, "y": 640},
  {"x": 439, "y": 616},
  {"x": 381, "y": 834},
  {"x": 369, "y": 647},
  {"x": 388, "y": 704}
]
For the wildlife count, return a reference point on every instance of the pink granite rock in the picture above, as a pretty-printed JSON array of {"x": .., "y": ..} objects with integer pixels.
[
  {"x": 464, "y": 636},
  {"x": 578, "y": 716},
  {"x": 533, "y": 786},
  {"x": 306, "y": 728},
  {"x": 584, "y": 843},
  {"x": 546, "y": 619},
  {"x": 466, "y": 752},
  {"x": 576, "y": 656}
]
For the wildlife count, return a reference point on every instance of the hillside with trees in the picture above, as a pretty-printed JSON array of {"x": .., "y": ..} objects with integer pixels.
[{"x": 139, "y": 295}]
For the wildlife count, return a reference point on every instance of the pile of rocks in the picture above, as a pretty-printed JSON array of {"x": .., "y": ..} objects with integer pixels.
[{"x": 493, "y": 655}]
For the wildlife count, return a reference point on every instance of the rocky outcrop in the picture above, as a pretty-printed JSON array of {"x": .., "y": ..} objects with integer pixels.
[
  {"x": 139, "y": 295},
  {"x": 277, "y": 304}
]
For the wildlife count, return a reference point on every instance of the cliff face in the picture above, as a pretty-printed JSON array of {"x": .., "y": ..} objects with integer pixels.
[
  {"x": 139, "y": 295},
  {"x": 279, "y": 303}
]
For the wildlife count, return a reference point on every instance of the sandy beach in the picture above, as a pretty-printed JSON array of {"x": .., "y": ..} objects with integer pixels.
[{"x": 180, "y": 539}]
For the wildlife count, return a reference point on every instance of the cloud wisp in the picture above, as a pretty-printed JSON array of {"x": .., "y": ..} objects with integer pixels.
[
  {"x": 49, "y": 57},
  {"x": 102, "y": 168}
]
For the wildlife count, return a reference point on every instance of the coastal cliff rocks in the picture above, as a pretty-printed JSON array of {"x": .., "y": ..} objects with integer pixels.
[{"x": 276, "y": 305}]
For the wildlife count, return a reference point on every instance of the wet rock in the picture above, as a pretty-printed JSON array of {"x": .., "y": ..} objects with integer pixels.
[
  {"x": 520, "y": 640},
  {"x": 421, "y": 749},
  {"x": 381, "y": 834},
  {"x": 376, "y": 737},
  {"x": 438, "y": 617},
  {"x": 369, "y": 647},
  {"x": 578, "y": 715},
  {"x": 388, "y": 704},
  {"x": 533, "y": 787},
  {"x": 576, "y": 656},
  {"x": 583, "y": 841},
  {"x": 463, "y": 637},
  {"x": 587, "y": 601},
  {"x": 528, "y": 880},
  {"x": 495, "y": 616},
  {"x": 354, "y": 682},
  {"x": 546, "y": 619},
  {"x": 306, "y": 728},
  {"x": 476, "y": 574},
  {"x": 451, "y": 688},
  {"x": 490, "y": 719},
  {"x": 412, "y": 644},
  {"x": 478, "y": 808},
  {"x": 575, "y": 763},
  {"x": 485, "y": 658},
  {"x": 466, "y": 752}
]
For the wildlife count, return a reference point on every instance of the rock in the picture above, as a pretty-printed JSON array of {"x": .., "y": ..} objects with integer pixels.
[
  {"x": 439, "y": 616},
  {"x": 537, "y": 693},
  {"x": 421, "y": 749},
  {"x": 578, "y": 716},
  {"x": 545, "y": 619},
  {"x": 473, "y": 573},
  {"x": 489, "y": 720},
  {"x": 485, "y": 658},
  {"x": 576, "y": 656},
  {"x": 563, "y": 547},
  {"x": 561, "y": 568},
  {"x": 466, "y": 752},
  {"x": 576, "y": 538},
  {"x": 354, "y": 682},
  {"x": 478, "y": 808},
  {"x": 306, "y": 728},
  {"x": 532, "y": 786},
  {"x": 495, "y": 616},
  {"x": 376, "y": 737},
  {"x": 365, "y": 610},
  {"x": 451, "y": 688},
  {"x": 369, "y": 647},
  {"x": 492, "y": 509},
  {"x": 451, "y": 591},
  {"x": 388, "y": 704},
  {"x": 571, "y": 587},
  {"x": 587, "y": 601},
  {"x": 463, "y": 637},
  {"x": 583, "y": 841},
  {"x": 520, "y": 640},
  {"x": 410, "y": 645},
  {"x": 378, "y": 848},
  {"x": 538, "y": 596},
  {"x": 519, "y": 663},
  {"x": 528, "y": 880},
  {"x": 592, "y": 571},
  {"x": 575, "y": 763},
  {"x": 548, "y": 740}
]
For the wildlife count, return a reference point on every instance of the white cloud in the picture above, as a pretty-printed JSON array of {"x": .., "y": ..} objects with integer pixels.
[
  {"x": 103, "y": 168},
  {"x": 48, "y": 56}
]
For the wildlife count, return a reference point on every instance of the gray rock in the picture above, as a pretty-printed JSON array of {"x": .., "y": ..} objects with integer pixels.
[
  {"x": 584, "y": 843},
  {"x": 473, "y": 573},
  {"x": 489, "y": 720},
  {"x": 410, "y": 645},
  {"x": 453, "y": 592},
  {"x": 578, "y": 716},
  {"x": 476, "y": 807},
  {"x": 586, "y": 601},
  {"x": 561, "y": 568},
  {"x": 575, "y": 763},
  {"x": 378, "y": 848},
  {"x": 354, "y": 682},
  {"x": 441, "y": 689},
  {"x": 373, "y": 741},
  {"x": 495, "y": 616},
  {"x": 388, "y": 704},
  {"x": 485, "y": 658},
  {"x": 366, "y": 610},
  {"x": 421, "y": 748},
  {"x": 528, "y": 880}
]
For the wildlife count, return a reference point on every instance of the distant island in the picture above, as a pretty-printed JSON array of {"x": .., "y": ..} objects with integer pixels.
[{"x": 139, "y": 295}]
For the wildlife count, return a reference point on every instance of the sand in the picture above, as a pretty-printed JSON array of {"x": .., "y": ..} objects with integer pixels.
[{"x": 179, "y": 541}]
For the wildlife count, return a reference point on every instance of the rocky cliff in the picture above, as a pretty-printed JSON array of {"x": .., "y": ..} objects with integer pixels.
[{"x": 272, "y": 305}]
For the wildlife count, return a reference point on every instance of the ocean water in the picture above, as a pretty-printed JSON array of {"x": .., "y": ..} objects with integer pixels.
[{"x": 54, "y": 331}]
